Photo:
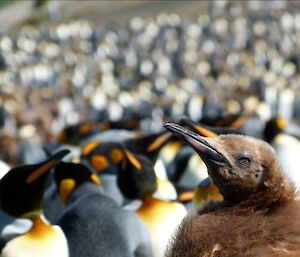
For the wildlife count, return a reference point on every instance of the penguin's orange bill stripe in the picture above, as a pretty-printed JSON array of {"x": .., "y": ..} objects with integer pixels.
[
  {"x": 89, "y": 147},
  {"x": 205, "y": 132},
  {"x": 95, "y": 179},
  {"x": 40, "y": 171},
  {"x": 186, "y": 196},
  {"x": 239, "y": 122},
  {"x": 133, "y": 160},
  {"x": 158, "y": 142}
]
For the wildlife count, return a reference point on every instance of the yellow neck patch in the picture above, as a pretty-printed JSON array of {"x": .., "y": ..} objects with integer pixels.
[
  {"x": 116, "y": 156},
  {"x": 40, "y": 229},
  {"x": 133, "y": 160},
  {"x": 66, "y": 187},
  {"x": 99, "y": 162},
  {"x": 158, "y": 142},
  {"x": 40, "y": 171},
  {"x": 281, "y": 123},
  {"x": 89, "y": 147},
  {"x": 205, "y": 132}
]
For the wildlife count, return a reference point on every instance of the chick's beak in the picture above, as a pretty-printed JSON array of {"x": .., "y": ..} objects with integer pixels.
[{"x": 199, "y": 143}]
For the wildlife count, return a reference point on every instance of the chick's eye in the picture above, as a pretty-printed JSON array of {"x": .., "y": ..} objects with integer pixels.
[{"x": 244, "y": 162}]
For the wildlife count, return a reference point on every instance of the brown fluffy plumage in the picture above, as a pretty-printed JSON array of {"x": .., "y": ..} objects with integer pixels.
[{"x": 260, "y": 215}]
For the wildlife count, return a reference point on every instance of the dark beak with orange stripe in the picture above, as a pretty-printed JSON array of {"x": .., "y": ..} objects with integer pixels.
[{"x": 22, "y": 188}]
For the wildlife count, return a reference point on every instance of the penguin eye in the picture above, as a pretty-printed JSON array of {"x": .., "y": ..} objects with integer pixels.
[{"x": 244, "y": 162}]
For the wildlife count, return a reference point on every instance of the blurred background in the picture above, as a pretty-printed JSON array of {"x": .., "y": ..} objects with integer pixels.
[{"x": 63, "y": 62}]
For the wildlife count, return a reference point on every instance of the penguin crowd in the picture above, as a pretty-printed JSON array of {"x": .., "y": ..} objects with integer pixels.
[{"x": 91, "y": 166}]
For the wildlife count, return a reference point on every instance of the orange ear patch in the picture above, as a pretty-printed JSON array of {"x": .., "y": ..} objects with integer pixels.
[
  {"x": 281, "y": 123},
  {"x": 89, "y": 147},
  {"x": 116, "y": 156},
  {"x": 99, "y": 162}
]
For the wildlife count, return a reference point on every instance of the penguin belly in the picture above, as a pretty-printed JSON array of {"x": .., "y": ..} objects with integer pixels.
[
  {"x": 42, "y": 240},
  {"x": 162, "y": 219}
]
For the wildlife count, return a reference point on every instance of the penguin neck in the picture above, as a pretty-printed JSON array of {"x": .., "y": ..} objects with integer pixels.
[
  {"x": 84, "y": 189},
  {"x": 40, "y": 228},
  {"x": 265, "y": 200},
  {"x": 150, "y": 200}
]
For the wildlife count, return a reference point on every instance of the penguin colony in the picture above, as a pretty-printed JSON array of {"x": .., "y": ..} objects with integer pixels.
[{"x": 95, "y": 173}]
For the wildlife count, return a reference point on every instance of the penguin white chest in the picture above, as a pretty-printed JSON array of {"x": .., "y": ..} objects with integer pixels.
[{"x": 42, "y": 240}]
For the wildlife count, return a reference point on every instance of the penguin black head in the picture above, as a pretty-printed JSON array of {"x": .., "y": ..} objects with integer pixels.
[
  {"x": 21, "y": 189},
  {"x": 136, "y": 177},
  {"x": 244, "y": 169},
  {"x": 68, "y": 176},
  {"x": 99, "y": 156},
  {"x": 273, "y": 127},
  {"x": 74, "y": 133},
  {"x": 149, "y": 145}
]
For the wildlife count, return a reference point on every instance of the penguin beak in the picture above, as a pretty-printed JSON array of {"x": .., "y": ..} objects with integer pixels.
[{"x": 199, "y": 143}]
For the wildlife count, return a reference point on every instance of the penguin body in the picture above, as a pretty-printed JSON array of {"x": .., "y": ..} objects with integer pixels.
[
  {"x": 137, "y": 180},
  {"x": 41, "y": 240},
  {"x": 94, "y": 224},
  {"x": 21, "y": 196},
  {"x": 259, "y": 215},
  {"x": 162, "y": 219}
]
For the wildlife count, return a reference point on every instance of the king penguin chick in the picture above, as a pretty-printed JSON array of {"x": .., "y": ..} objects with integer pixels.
[
  {"x": 260, "y": 214},
  {"x": 21, "y": 194},
  {"x": 93, "y": 223},
  {"x": 137, "y": 180}
]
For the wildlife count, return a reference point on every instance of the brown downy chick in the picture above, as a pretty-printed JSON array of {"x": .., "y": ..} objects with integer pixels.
[{"x": 260, "y": 214}]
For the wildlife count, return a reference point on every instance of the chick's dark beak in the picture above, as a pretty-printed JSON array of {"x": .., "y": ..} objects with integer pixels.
[{"x": 199, "y": 144}]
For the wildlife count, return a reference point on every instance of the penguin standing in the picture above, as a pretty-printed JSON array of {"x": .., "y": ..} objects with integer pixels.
[
  {"x": 93, "y": 223},
  {"x": 137, "y": 180},
  {"x": 260, "y": 213},
  {"x": 21, "y": 195}
]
